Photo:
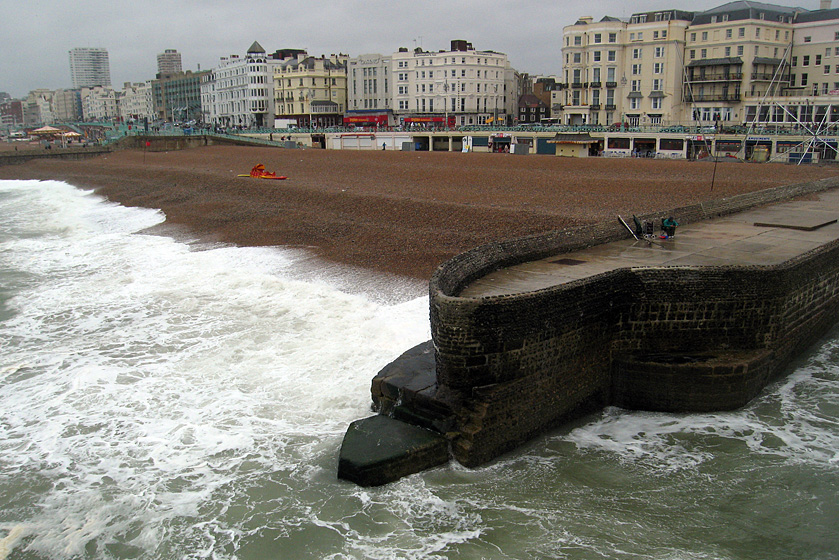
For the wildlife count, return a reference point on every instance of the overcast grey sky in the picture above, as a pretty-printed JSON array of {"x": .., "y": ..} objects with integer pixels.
[{"x": 36, "y": 35}]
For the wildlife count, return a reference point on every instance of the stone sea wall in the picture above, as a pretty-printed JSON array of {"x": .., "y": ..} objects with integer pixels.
[{"x": 674, "y": 339}]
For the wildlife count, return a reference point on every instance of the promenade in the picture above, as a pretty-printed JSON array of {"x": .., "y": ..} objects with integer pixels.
[{"x": 767, "y": 235}]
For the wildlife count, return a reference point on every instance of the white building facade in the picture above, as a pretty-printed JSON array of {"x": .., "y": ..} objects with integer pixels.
[
  {"x": 369, "y": 95},
  {"x": 459, "y": 87},
  {"x": 239, "y": 91},
  {"x": 99, "y": 104},
  {"x": 135, "y": 102}
]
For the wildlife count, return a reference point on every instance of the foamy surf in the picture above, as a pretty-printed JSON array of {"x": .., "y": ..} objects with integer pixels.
[{"x": 158, "y": 401}]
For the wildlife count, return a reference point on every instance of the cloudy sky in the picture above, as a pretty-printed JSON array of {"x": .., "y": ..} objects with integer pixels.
[{"x": 36, "y": 35}]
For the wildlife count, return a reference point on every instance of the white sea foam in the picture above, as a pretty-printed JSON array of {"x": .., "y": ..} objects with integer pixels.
[
  {"x": 159, "y": 401},
  {"x": 140, "y": 378}
]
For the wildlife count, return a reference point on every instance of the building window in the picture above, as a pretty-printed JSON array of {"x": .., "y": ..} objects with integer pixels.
[
  {"x": 636, "y": 53},
  {"x": 703, "y": 53},
  {"x": 656, "y": 103},
  {"x": 692, "y": 53},
  {"x": 804, "y": 79},
  {"x": 596, "y": 56},
  {"x": 693, "y": 37},
  {"x": 659, "y": 52},
  {"x": 757, "y": 33},
  {"x": 613, "y": 37},
  {"x": 597, "y": 38},
  {"x": 612, "y": 56},
  {"x": 818, "y": 60},
  {"x": 635, "y": 85},
  {"x": 658, "y": 68},
  {"x": 704, "y": 35},
  {"x": 728, "y": 33},
  {"x": 577, "y": 58},
  {"x": 634, "y": 103},
  {"x": 827, "y": 69},
  {"x": 807, "y": 39},
  {"x": 805, "y": 61},
  {"x": 740, "y": 50},
  {"x": 632, "y": 36},
  {"x": 578, "y": 40},
  {"x": 636, "y": 69},
  {"x": 727, "y": 51},
  {"x": 741, "y": 31}
]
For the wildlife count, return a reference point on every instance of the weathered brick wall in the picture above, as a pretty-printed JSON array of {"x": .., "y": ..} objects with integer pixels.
[{"x": 516, "y": 365}]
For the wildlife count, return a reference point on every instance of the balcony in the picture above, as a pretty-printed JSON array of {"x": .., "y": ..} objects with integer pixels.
[
  {"x": 729, "y": 97},
  {"x": 611, "y": 84},
  {"x": 594, "y": 84},
  {"x": 731, "y": 77},
  {"x": 595, "y": 106},
  {"x": 577, "y": 85},
  {"x": 768, "y": 77},
  {"x": 609, "y": 107}
]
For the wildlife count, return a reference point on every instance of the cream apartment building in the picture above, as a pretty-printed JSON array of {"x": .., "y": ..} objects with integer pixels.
[
  {"x": 741, "y": 62},
  {"x": 736, "y": 54},
  {"x": 310, "y": 90},
  {"x": 617, "y": 71}
]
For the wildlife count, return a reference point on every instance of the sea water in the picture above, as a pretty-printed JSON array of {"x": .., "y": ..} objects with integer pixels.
[{"x": 160, "y": 398}]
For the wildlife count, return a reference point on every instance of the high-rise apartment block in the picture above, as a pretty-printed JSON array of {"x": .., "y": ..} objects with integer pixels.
[
  {"x": 89, "y": 67},
  {"x": 169, "y": 62}
]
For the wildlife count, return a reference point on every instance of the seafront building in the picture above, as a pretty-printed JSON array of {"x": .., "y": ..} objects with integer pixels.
[
  {"x": 461, "y": 86},
  {"x": 177, "y": 97},
  {"x": 135, "y": 102},
  {"x": 67, "y": 105},
  {"x": 37, "y": 107},
  {"x": 741, "y": 62},
  {"x": 618, "y": 71},
  {"x": 311, "y": 91},
  {"x": 239, "y": 91},
  {"x": 369, "y": 91},
  {"x": 99, "y": 103},
  {"x": 89, "y": 67}
]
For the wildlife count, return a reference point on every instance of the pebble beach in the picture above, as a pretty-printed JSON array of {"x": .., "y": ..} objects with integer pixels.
[{"x": 400, "y": 213}]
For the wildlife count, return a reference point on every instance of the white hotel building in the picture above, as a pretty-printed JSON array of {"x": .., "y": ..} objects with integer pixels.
[
  {"x": 239, "y": 91},
  {"x": 461, "y": 86}
]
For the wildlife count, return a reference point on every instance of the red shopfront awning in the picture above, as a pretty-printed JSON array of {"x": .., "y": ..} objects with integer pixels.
[
  {"x": 374, "y": 119},
  {"x": 428, "y": 120}
]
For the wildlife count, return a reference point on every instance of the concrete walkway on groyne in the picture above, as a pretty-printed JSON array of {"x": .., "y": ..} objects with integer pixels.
[{"x": 766, "y": 235}]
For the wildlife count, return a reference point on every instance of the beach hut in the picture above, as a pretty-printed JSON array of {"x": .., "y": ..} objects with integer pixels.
[{"x": 573, "y": 144}]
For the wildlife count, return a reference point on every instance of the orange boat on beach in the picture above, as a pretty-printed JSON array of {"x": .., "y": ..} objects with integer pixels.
[{"x": 258, "y": 172}]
